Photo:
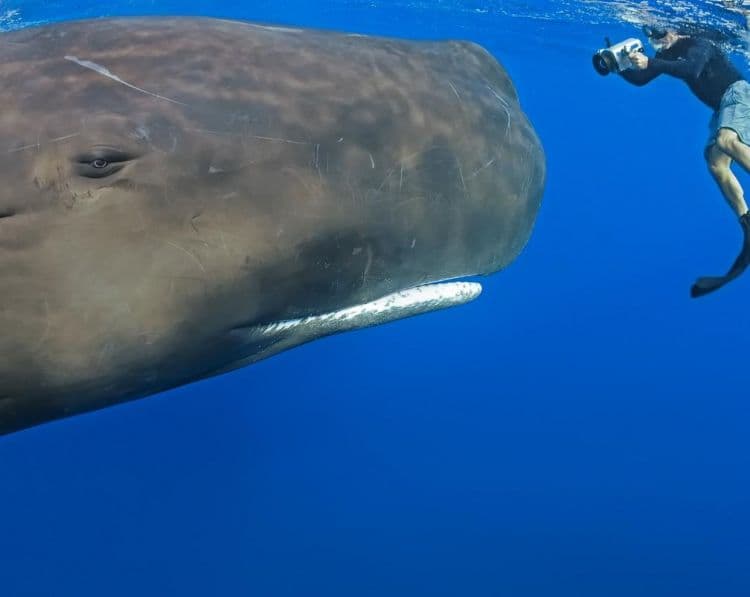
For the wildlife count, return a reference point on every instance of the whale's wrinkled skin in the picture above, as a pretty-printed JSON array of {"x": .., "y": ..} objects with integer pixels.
[{"x": 182, "y": 196}]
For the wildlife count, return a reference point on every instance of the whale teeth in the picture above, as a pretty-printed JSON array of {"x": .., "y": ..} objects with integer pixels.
[
  {"x": 263, "y": 341},
  {"x": 405, "y": 303}
]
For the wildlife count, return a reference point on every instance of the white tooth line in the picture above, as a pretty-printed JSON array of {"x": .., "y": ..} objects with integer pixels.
[{"x": 398, "y": 305}]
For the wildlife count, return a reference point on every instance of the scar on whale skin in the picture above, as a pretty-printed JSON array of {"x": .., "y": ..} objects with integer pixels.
[{"x": 97, "y": 68}]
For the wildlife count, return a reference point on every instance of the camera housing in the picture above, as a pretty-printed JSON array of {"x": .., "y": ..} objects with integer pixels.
[{"x": 615, "y": 57}]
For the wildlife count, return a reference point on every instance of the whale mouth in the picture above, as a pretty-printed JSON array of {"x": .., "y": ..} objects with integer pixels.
[
  {"x": 391, "y": 307},
  {"x": 264, "y": 340}
]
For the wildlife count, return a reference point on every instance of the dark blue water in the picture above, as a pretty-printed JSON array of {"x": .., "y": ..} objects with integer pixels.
[{"x": 580, "y": 430}]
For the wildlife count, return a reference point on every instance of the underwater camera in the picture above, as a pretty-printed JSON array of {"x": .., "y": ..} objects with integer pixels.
[{"x": 614, "y": 58}]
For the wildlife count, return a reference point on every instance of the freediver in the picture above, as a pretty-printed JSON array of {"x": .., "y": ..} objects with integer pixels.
[{"x": 716, "y": 81}]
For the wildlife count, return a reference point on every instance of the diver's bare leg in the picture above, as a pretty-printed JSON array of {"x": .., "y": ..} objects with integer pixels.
[
  {"x": 729, "y": 143},
  {"x": 719, "y": 164}
]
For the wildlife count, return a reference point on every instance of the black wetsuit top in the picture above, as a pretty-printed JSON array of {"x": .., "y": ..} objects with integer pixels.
[{"x": 701, "y": 64}]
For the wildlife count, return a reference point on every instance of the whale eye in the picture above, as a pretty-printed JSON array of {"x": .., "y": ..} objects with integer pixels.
[{"x": 101, "y": 161}]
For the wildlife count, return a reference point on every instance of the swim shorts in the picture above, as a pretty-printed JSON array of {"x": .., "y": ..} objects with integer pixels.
[{"x": 733, "y": 113}]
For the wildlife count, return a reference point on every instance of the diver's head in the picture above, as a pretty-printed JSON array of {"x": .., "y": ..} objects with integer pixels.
[{"x": 660, "y": 38}]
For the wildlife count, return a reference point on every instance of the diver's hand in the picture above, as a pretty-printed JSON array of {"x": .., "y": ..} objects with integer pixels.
[{"x": 639, "y": 60}]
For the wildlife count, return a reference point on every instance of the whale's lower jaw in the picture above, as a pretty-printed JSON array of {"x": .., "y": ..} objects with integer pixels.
[
  {"x": 266, "y": 340},
  {"x": 255, "y": 342}
]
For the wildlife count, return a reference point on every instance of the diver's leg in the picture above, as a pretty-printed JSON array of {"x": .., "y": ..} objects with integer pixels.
[
  {"x": 729, "y": 142},
  {"x": 719, "y": 164}
]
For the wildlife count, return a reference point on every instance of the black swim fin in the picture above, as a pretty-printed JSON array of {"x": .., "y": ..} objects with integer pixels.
[{"x": 708, "y": 284}]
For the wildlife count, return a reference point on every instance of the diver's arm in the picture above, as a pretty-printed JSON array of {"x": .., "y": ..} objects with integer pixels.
[
  {"x": 690, "y": 68},
  {"x": 640, "y": 77}
]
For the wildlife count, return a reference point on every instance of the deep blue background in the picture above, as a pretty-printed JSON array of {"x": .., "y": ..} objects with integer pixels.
[{"x": 581, "y": 429}]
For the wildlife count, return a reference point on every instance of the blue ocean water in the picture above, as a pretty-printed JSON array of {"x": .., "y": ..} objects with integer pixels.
[{"x": 580, "y": 430}]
